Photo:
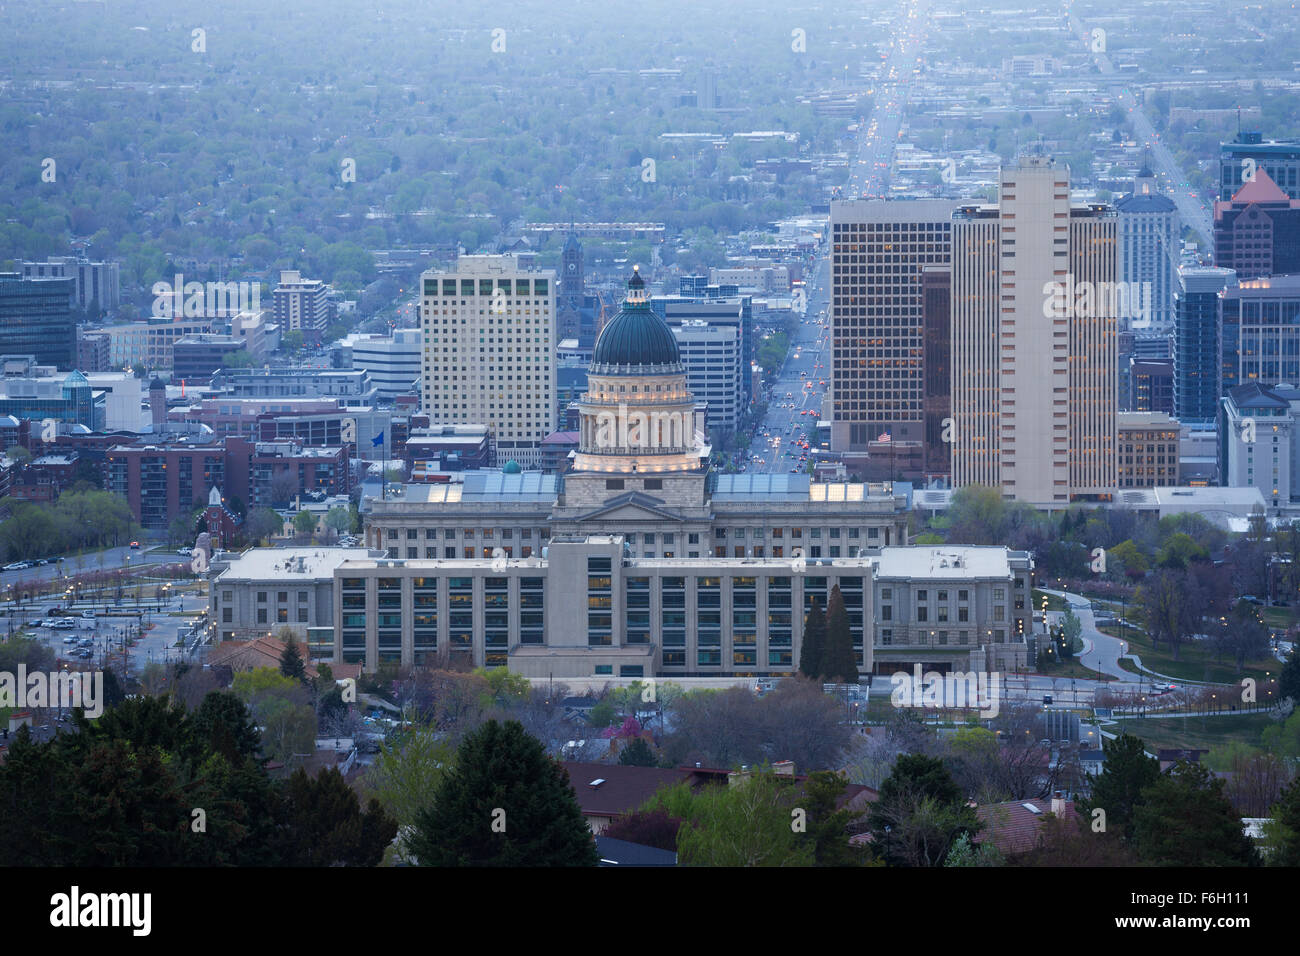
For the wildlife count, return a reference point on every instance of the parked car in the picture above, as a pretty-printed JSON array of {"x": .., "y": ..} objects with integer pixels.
[{"x": 65, "y": 623}]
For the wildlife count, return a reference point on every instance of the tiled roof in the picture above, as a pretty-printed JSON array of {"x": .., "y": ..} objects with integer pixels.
[{"x": 1012, "y": 826}]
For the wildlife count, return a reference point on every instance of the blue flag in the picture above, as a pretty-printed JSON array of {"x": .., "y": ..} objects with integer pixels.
[{"x": 377, "y": 440}]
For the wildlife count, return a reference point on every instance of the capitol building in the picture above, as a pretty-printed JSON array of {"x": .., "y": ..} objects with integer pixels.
[{"x": 640, "y": 560}]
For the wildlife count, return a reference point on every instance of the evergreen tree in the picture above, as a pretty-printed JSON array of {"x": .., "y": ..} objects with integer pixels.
[
  {"x": 1185, "y": 819},
  {"x": 1118, "y": 789},
  {"x": 328, "y": 826},
  {"x": 920, "y": 814},
  {"x": 1288, "y": 681},
  {"x": 838, "y": 661},
  {"x": 291, "y": 664},
  {"x": 1285, "y": 829},
  {"x": 637, "y": 754},
  {"x": 506, "y": 803},
  {"x": 813, "y": 647}
]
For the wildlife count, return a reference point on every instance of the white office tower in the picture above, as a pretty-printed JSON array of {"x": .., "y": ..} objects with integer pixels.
[
  {"x": 1034, "y": 361},
  {"x": 489, "y": 352}
]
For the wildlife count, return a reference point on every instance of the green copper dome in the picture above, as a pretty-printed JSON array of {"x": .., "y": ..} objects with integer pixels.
[
  {"x": 512, "y": 468},
  {"x": 636, "y": 341}
]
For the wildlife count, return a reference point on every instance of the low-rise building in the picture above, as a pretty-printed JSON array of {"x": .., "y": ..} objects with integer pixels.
[
  {"x": 1147, "y": 447},
  {"x": 263, "y": 590},
  {"x": 584, "y": 606}
]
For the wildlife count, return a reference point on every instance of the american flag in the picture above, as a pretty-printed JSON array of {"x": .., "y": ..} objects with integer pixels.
[{"x": 884, "y": 436}]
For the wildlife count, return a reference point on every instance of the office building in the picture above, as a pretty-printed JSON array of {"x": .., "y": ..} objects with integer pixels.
[
  {"x": 588, "y": 609},
  {"x": 711, "y": 355},
  {"x": 1197, "y": 348},
  {"x": 732, "y": 310},
  {"x": 269, "y": 589},
  {"x": 392, "y": 361},
  {"x": 352, "y": 388},
  {"x": 39, "y": 393},
  {"x": 1034, "y": 320},
  {"x": 1256, "y": 442},
  {"x": 1248, "y": 154},
  {"x": 879, "y": 250},
  {"x": 1148, "y": 449},
  {"x": 1150, "y": 386},
  {"x": 260, "y": 335},
  {"x": 95, "y": 285},
  {"x": 1257, "y": 232},
  {"x": 489, "y": 352},
  {"x": 301, "y": 305},
  {"x": 93, "y": 349},
  {"x": 1150, "y": 241},
  {"x": 36, "y": 319},
  {"x": 1260, "y": 332},
  {"x": 149, "y": 344},
  {"x": 196, "y": 357}
]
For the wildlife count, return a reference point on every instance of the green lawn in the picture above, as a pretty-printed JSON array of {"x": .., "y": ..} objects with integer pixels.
[
  {"x": 1054, "y": 602},
  {"x": 1195, "y": 662},
  {"x": 1196, "y": 732},
  {"x": 1278, "y": 618}
]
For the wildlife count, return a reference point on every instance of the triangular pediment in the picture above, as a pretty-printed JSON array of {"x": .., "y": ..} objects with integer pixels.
[{"x": 633, "y": 506}]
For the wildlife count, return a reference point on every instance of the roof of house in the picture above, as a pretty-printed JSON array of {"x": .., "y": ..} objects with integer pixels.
[
  {"x": 608, "y": 790},
  {"x": 251, "y": 655},
  {"x": 1012, "y": 826},
  {"x": 622, "y": 853}
]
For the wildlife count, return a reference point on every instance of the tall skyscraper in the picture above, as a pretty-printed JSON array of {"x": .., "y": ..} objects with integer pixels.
[
  {"x": 1257, "y": 232},
  {"x": 1034, "y": 315},
  {"x": 879, "y": 250},
  {"x": 1197, "y": 353},
  {"x": 1240, "y": 159},
  {"x": 489, "y": 352},
  {"x": 1148, "y": 253},
  {"x": 36, "y": 319}
]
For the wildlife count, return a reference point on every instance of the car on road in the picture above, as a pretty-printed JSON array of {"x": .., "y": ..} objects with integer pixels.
[
  {"x": 135, "y": 545},
  {"x": 88, "y": 615},
  {"x": 18, "y": 566},
  {"x": 65, "y": 623}
]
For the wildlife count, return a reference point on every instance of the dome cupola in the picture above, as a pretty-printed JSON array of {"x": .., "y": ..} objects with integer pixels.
[{"x": 636, "y": 341}]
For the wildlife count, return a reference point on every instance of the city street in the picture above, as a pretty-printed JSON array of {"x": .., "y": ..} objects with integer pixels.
[{"x": 795, "y": 399}]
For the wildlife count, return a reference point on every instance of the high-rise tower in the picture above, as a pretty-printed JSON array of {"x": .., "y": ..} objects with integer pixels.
[{"x": 1034, "y": 362}]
